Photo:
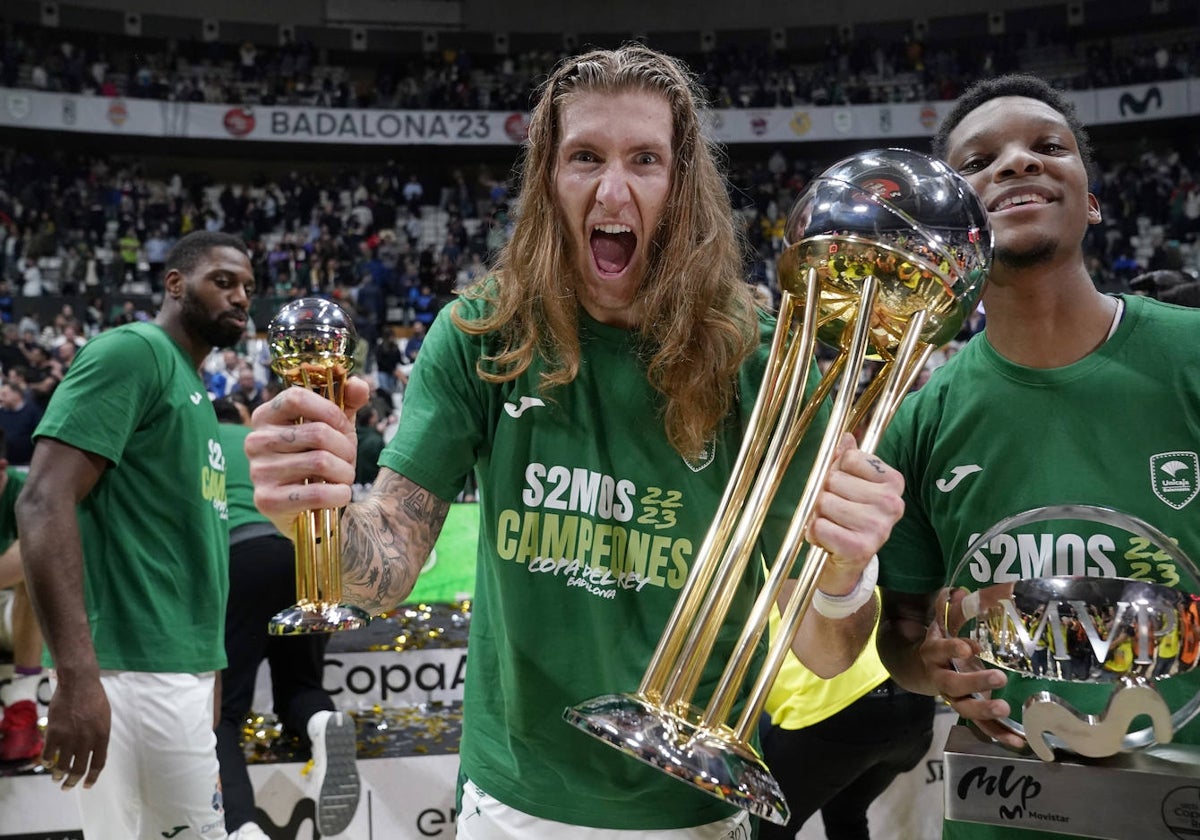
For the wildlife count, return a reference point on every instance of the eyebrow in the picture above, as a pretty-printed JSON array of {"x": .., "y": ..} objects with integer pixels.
[{"x": 225, "y": 269}]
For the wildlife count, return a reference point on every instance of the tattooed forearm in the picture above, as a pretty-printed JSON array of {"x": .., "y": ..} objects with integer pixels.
[
  {"x": 419, "y": 503},
  {"x": 386, "y": 540}
]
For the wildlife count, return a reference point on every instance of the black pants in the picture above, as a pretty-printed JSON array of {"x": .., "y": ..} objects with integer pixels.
[
  {"x": 841, "y": 764},
  {"x": 262, "y": 581}
]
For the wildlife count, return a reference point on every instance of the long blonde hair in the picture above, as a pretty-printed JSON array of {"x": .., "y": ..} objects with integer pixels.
[{"x": 698, "y": 320}]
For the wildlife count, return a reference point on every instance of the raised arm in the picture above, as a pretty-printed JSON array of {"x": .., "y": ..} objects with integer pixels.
[
  {"x": 386, "y": 540},
  {"x": 861, "y": 501}
]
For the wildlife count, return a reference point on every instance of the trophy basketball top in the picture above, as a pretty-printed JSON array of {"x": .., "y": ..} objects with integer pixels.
[
  {"x": 898, "y": 215},
  {"x": 311, "y": 331}
]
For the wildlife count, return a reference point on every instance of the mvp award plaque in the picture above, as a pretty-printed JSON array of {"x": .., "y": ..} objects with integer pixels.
[{"x": 1102, "y": 675}]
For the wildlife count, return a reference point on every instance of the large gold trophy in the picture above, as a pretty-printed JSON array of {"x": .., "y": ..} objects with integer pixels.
[
  {"x": 313, "y": 343},
  {"x": 887, "y": 253}
]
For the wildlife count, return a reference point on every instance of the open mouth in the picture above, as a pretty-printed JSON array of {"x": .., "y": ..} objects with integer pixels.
[{"x": 613, "y": 247}]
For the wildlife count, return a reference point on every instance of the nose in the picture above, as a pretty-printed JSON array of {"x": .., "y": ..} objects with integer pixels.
[
  {"x": 613, "y": 191},
  {"x": 239, "y": 296},
  {"x": 1017, "y": 159}
]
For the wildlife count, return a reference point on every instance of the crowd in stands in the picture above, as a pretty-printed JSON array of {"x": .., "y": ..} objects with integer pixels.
[
  {"x": 394, "y": 242},
  {"x": 842, "y": 70},
  {"x": 393, "y": 246}
]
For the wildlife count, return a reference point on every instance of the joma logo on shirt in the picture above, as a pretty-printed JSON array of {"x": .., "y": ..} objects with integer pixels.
[
  {"x": 956, "y": 476},
  {"x": 515, "y": 410}
]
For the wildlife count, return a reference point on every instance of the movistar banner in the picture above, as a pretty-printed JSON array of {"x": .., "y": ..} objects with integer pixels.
[{"x": 21, "y": 108}]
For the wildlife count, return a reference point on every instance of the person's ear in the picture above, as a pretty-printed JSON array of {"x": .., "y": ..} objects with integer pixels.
[{"x": 173, "y": 283}]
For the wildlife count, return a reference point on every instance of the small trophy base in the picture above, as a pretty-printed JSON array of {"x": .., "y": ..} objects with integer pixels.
[
  {"x": 1149, "y": 794},
  {"x": 679, "y": 748},
  {"x": 311, "y": 617}
]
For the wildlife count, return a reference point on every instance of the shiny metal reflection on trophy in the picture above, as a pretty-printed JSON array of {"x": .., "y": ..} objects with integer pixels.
[
  {"x": 887, "y": 253},
  {"x": 1120, "y": 639},
  {"x": 313, "y": 345}
]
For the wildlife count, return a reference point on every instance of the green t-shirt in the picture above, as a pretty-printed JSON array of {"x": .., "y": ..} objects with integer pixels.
[
  {"x": 985, "y": 439},
  {"x": 370, "y": 444},
  {"x": 238, "y": 488},
  {"x": 8, "y": 504},
  {"x": 154, "y": 531},
  {"x": 589, "y": 524}
]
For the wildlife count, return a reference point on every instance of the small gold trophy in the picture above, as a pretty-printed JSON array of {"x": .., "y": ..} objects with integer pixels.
[{"x": 312, "y": 343}]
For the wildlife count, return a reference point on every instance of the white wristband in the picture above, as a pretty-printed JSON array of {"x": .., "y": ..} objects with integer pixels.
[{"x": 842, "y": 606}]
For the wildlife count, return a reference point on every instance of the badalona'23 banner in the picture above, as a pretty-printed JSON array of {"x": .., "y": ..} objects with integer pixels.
[{"x": 30, "y": 109}]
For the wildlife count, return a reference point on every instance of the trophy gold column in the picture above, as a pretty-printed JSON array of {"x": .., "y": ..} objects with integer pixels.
[{"x": 312, "y": 343}]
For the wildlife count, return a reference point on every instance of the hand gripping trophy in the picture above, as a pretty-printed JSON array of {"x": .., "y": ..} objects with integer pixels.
[
  {"x": 312, "y": 343},
  {"x": 887, "y": 253}
]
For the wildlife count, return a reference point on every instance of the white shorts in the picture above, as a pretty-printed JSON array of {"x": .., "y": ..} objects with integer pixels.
[
  {"x": 484, "y": 817},
  {"x": 161, "y": 776}
]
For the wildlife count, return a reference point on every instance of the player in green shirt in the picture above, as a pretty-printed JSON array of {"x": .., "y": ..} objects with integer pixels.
[
  {"x": 1069, "y": 396},
  {"x": 124, "y": 539},
  {"x": 598, "y": 387}
]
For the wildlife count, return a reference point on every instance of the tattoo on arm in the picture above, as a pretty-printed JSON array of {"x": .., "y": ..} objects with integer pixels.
[{"x": 387, "y": 539}]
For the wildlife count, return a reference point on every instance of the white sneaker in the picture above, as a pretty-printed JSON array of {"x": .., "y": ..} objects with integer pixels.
[
  {"x": 249, "y": 831},
  {"x": 334, "y": 774}
]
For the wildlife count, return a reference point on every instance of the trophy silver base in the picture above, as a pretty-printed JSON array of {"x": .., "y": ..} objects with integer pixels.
[
  {"x": 683, "y": 750},
  {"x": 1149, "y": 794},
  {"x": 311, "y": 617}
]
